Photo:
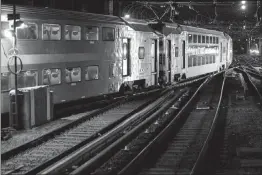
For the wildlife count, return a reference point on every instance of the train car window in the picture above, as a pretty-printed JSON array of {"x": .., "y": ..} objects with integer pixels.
[
  {"x": 207, "y": 60},
  {"x": 91, "y": 73},
  {"x": 51, "y": 76},
  {"x": 5, "y": 81},
  {"x": 210, "y": 59},
  {"x": 199, "y": 61},
  {"x": 203, "y": 39},
  {"x": 214, "y": 59},
  {"x": 72, "y": 32},
  {"x": 199, "y": 39},
  {"x": 207, "y": 39},
  {"x": 190, "y": 38},
  {"x": 91, "y": 33},
  {"x": 29, "y": 31},
  {"x": 141, "y": 53},
  {"x": 190, "y": 59},
  {"x": 214, "y": 40},
  {"x": 72, "y": 75},
  {"x": 194, "y": 60},
  {"x": 108, "y": 34},
  {"x": 51, "y": 31},
  {"x": 194, "y": 38},
  {"x": 210, "y": 40},
  {"x": 27, "y": 79},
  {"x": 217, "y": 40},
  {"x": 176, "y": 52},
  {"x": 203, "y": 60}
]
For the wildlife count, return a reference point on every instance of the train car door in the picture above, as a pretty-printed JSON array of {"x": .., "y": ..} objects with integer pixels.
[
  {"x": 169, "y": 60},
  {"x": 154, "y": 62},
  {"x": 126, "y": 57},
  {"x": 184, "y": 54}
]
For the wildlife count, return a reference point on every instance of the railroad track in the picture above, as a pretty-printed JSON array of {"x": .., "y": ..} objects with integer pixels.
[
  {"x": 114, "y": 159},
  {"x": 236, "y": 145},
  {"x": 55, "y": 145}
]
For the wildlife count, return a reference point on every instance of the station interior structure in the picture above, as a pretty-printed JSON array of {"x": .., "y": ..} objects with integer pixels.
[{"x": 76, "y": 72}]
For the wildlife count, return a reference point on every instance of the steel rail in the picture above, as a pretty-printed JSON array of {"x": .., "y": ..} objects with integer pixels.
[{"x": 129, "y": 168}]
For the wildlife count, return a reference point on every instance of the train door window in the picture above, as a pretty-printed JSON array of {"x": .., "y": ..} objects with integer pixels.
[
  {"x": 194, "y": 38},
  {"x": 210, "y": 40},
  {"x": 190, "y": 59},
  {"x": 141, "y": 52},
  {"x": 217, "y": 40},
  {"x": 214, "y": 40},
  {"x": 176, "y": 51},
  {"x": 51, "y": 76},
  {"x": 126, "y": 57},
  {"x": 72, "y": 32},
  {"x": 199, "y": 61},
  {"x": 207, "y": 39},
  {"x": 72, "y": 75},
  {"x": 203, "y": 60},
  {"x": 206, "y": 57},
  {"x": 27, "y": 79},
  {"x": 29, "y": 31},
  {"x": 5, "y": 81},
  {"x": 194, "y": 60},
  {"x": 51, "y": 31},
  {"x": 199, "y": 39},
  {"x": 190, "y": 38},
  {"x": 91, "y": 33},
  {"x": 92, "y": 73},
  {"x": 184, "y": 54},
  {"x": 203, "y": 39},
  {"x": 108, "y": 34}
]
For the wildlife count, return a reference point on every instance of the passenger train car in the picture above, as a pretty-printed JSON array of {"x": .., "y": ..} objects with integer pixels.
[{"x": 81, "y": 55}]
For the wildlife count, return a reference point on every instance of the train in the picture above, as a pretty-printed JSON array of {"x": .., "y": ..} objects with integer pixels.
[{"x": 81, "y": 55}]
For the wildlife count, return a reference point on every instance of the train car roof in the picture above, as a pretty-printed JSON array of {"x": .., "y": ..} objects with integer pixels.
[
  {"x": 49, "y": 13},
  {"x": 201, "y": 30},
  {"x": 138, "y": 25}
]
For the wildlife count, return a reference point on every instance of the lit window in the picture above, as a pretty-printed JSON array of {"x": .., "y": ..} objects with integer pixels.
[
  {"x": 51, "y": 32},
  {"x": 72, "y": 32},
  {"x": 92, "y": 33},
  {"x": 73, "y": 75},
  {"x": 5, "y": 81},
  {"x": 108, "y": 34},
  {"x": 190, "y": 38},
  {"x": 27, "y": 79},
  {"x": 141, "y": 53},
  {"x": 91, "y": 73},
  {"x": 51, "y": 76},
  {"x": 27, "y": 31}
]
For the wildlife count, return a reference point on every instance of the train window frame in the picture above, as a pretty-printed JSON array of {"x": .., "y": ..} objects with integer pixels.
[
  {"x": 214, "y": 40},
  {"x": 199, "y": 39},
  {"x": 49, "y": 39},
  {"x": 194, "y": 38},
  {"x": 190, "y": 38},
  {"x": 80, "y": 74},
  {"x": 207, "y": 39},
  {"x": 97, "y": 34},
  {"x": 24, "y": 71},
  {"x": 9, "y": 82},
  {"x": 26, "y": 23},
  {"x": 176, "y": 52},
  {"x": 141, "y": 55},
  {"x": 64, "y": 32},
  {"x": 49, "y": 83},
  {"x": 203, "y": 39},
  {"x": 86, "y": 70},
  {"x": 103, "y": 34}
]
